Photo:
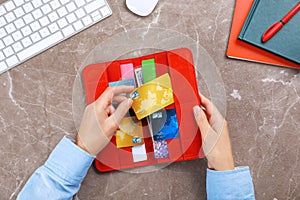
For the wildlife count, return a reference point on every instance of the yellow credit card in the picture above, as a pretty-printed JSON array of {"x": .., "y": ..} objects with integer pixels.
[
  {"x": 152, "y": 96},
  {"x": 130, "y": 133}
]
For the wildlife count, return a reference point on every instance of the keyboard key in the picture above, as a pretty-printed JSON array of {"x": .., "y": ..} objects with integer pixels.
[
  {"x": 2, "y": 33},
  {"x": 46, "y": 9},
  {"x": 8, "y": 51},
  {"x": 53, "y": 16},
  {"x": 17, "y": 46},
  {"x": 94, "y": 14},
  {"x": 78, "y": 25},
  {"x": 68, "y": 31},
  {"x": 26, "y": 30},
  {"x": 44, "y": 32},
  {"x": 10, "y": 28},
  {"x": 53, "y": 27},
  {"x": 80, "y": 13},
  {"x": 12, "y": 60},
  {"x": 62, "y": 22},
  {"x": 87, "y": 20},
  {"x": 105, "y": 11},
  {"x": 79, "y": 3},
  {"x": 19, "y": 2},
  {"x": 9, "y": 5},
  {"x": 37, "y": 3},
  {"x": 2, "y": 21},
  {"x": 35, "y": 37},
  {"x": 62, "y": 11},
  {"x": 3, "y": 66},
  {"x": 8, "y": 40},
  {"x": 94, "y": 6},
  {"x": 71, "y": 18},
  {"x": 55, "y": 4},
  {"x": 1, "y": 45},
  {"x": 37, "y": 14},
  {"x": 64, "y": 1},
  {"x": 1, "y": 56},
  {"x": 28, "y": 18},
  {"x": 19, "y": 12},
  {"x": 44, "y": 21},
  {"x": 26, "y": 42},
  {"x": 35, "y": 26},
  {"x": 43, "y": 44},
  {"x": 10, "y": 17},
  {"x": 19, "y": 23},
  {"x": 2, "y": 10},
  {"x": 71, "y": 7},
  {"x": 28, "y": 7},
  {"x": 17, "y": 35}
]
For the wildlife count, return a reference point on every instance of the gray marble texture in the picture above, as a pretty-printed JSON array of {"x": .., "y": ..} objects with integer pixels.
[{"x": 262, "y": 106}]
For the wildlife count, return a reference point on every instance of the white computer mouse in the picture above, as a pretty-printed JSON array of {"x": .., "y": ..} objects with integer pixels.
[{"x": 141, "y": 7}]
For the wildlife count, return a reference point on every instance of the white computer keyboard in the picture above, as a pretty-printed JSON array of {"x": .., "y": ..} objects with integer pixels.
[{"x": 28, "y": 27}]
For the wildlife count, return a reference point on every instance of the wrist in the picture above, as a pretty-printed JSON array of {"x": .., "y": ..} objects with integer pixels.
[{"x": 79, "y": 144}]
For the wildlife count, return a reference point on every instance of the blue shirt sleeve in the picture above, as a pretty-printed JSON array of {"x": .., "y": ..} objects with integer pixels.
[
  {"x": 61, "y": 176},
  {"x": 231, "y": 184}
]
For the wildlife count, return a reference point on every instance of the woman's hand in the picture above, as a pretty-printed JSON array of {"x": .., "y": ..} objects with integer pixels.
[
  {"x": 215, "y": 136},
  {"x": 101, "y": 120}
]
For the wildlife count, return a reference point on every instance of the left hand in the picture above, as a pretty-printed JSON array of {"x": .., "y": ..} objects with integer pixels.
[{"x": 101, "y": 119}]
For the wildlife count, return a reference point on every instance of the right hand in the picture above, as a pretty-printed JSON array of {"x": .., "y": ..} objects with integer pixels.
[
  {"x": 215, "y": 136},
  {"x": 101, "y": 120}
]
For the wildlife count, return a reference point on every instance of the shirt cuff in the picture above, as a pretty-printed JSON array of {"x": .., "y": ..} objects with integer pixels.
[
  {"x": 231, "y": 184},
  {"x": 68, "y": 161}
]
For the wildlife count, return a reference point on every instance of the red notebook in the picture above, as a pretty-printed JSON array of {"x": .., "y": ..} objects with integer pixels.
[
  {"x": 242, "y": 50},
  {"x": 179, "y": 64}
]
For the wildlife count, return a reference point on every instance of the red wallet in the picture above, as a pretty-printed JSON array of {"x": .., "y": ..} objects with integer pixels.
[{"x": 179, "y": 64}]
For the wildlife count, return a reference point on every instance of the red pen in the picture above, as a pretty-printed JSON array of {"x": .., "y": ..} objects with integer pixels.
[{"x": 270, "y": 32}]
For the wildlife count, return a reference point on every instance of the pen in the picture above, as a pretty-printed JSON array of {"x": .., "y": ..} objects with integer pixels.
[{"x": 272, "y": 30}]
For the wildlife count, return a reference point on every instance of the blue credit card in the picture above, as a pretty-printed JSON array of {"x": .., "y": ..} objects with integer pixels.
[
  {"x": 164, "y": 124},
  {"x": 127, "y": 82}
]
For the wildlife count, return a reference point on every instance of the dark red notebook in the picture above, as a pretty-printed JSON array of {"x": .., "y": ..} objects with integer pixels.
[{"x": 179, "y": 64}]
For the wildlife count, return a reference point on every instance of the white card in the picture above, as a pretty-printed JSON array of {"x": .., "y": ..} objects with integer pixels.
[{"x": 139, "y": 153}]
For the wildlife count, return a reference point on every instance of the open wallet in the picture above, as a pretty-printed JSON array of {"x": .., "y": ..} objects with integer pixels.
[{"x": 160, "y": 128}]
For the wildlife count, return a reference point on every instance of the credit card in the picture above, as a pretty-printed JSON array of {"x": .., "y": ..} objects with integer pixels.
[
  {"x": 160, "y": 149},
  {"x": 152, "y": 96},
  {"x": 127, "y": 82},
  {"x": 164, "y": 124},
  {"x": 149, "y": 70},
  {"x": 131, "y": 125},
  {"x": 130, "y": 133},
  {"x": 139, "y": 76}
]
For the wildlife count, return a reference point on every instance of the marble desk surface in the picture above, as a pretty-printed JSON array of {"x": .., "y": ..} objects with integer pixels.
[{"x": 263, "y": 110}]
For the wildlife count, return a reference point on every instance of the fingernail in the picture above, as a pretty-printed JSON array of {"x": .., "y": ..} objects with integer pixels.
[{"x": 196, "y": 110}]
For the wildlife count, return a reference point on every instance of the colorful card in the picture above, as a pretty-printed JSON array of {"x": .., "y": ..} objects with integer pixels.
[
  {"x": 164, "y": 124},
  {"x": 152, "y": 96},
  {"x": 160, "y": 149},
  {"x": 127, "y": 71},
  {"x": 149, "y": 70},
  {"x": 130, "y": 133}
]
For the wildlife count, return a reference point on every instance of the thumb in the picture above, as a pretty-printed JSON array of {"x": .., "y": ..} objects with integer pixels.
[
  {"x": 115, "y": 119},
  {"x": 202, "y": 121}
]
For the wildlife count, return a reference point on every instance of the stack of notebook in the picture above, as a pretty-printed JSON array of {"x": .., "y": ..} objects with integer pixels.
[{"x": 250, "y": 21}]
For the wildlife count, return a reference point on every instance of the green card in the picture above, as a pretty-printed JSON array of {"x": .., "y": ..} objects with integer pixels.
[{"x": 149, "y": 70}]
